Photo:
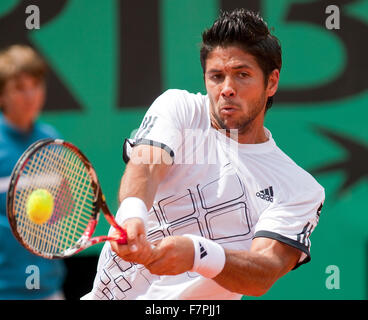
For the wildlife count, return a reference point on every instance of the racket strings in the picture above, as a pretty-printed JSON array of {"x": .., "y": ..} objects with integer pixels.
[
  {"x": 43, "y": 245},
  {"x": 59, "y": 170},
  {"x": 31, "y": 171},
  {"x": 64, "y": 228},
  {"x": 80, "y": 220}
]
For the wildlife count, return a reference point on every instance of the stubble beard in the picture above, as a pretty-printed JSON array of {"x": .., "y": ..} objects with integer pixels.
[{"x": 243, "y": 124}]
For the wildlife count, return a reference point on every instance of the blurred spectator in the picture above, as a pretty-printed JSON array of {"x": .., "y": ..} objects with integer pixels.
[{"x": 22, "y": 96}]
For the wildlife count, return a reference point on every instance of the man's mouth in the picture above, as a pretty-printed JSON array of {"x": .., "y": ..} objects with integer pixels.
[{"x": 228, "y": 109}]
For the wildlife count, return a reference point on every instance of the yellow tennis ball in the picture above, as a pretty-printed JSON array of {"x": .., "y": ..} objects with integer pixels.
[{"x": 40, "y": 205}]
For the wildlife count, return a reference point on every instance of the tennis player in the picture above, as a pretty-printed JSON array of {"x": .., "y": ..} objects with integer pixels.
[{"x": 228, "y": 212}]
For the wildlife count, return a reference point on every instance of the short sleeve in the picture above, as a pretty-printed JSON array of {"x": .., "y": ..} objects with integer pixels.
[
  {"x": 293, "y": 221},
  {"x": 163, "y": 123}
]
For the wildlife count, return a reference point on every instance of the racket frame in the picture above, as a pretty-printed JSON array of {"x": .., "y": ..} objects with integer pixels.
[{"x": 99, "y": 203}]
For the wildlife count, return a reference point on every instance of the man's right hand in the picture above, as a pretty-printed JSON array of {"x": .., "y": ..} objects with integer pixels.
[{"x": 138, "y": 249}]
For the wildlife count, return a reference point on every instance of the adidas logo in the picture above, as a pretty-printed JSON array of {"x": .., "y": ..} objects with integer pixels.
[
  {"x": 266, "y": 194},
  {"x": 202, "y": 251}
]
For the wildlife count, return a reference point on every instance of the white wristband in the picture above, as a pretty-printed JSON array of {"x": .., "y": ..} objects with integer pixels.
[
  {"x": 132, "y": 207},
  {"x": 209, "y": 256}
]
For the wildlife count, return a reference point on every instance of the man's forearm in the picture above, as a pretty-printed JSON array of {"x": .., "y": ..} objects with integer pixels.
[
  {"x": 254, "y": 272},
  {"x": 247, "y": 273},
  {"x": 144, "y": 172},
  {"x": 139, "y": 182}
]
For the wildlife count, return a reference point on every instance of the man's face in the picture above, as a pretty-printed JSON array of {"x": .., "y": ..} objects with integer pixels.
[
  {"x": 22, "y": 99},
  {"x": 236, "y": 88}
]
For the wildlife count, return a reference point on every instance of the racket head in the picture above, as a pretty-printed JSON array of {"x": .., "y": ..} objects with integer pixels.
[{"x": 65, "y": 172}]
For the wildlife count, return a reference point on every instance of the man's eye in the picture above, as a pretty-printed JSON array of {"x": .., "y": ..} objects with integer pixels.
[
  {"x": 216, "y": 77},
  {"x": 243, "y": 74}
]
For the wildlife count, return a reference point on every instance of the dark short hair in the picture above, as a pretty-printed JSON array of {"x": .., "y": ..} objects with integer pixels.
[{"x": 248, "y": 30}]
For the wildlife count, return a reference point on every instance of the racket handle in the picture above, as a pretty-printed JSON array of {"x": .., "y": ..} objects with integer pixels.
[{"x": 121, "y": 238}]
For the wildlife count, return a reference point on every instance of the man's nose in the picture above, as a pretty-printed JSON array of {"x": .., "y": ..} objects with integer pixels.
[{"x": 228, "y": 89}]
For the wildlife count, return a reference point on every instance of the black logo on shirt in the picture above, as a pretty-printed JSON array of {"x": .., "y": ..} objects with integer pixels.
[{"x": 266, "y": 194}]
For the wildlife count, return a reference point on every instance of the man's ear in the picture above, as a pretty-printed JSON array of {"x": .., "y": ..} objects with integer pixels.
[{"x": 273, "y": 82}]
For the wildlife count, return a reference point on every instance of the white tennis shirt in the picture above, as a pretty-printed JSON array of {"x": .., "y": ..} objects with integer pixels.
[{"x": 216, "y": 188}]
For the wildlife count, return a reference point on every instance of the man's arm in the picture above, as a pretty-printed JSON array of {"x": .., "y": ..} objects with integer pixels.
[
  {"x": 147, "y": 167},
  {"x": 246, "y": 272},
  {"x": 250, "y": 273},
  {"x": 254, "y": 272}
]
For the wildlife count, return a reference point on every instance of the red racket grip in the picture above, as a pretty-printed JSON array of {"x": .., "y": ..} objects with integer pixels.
[{"x": 122, "y": 238}]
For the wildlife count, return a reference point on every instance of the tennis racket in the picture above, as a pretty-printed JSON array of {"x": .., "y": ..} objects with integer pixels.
[{"x": 65, "y": 172}]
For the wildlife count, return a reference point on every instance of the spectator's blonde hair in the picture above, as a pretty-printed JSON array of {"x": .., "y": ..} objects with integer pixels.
[{"x": 18, "y": 59}]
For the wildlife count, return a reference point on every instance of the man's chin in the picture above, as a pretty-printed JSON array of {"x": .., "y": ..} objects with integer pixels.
[
  {"x": 231, "y": 125},
  {"x": 236, "y": 127}
]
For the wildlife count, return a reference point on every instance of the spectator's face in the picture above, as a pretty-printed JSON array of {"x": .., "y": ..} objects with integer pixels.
[
  {"x": 236, "y": 88},
  {"x": 22, "y": 99}
]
